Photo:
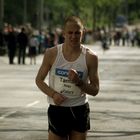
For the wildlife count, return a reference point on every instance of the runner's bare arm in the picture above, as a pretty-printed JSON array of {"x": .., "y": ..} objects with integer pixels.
[
  {"x": 43, "y": 72},
  {"x": 91, "y": 88},
  {"x": 48, "y": 60}
]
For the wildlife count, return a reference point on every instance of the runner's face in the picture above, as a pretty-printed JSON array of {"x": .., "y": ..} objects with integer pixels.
[{"x": 73, "y": 34}]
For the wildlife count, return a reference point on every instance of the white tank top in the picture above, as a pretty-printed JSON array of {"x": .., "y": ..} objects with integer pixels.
[{"x": 58, "y": 78}]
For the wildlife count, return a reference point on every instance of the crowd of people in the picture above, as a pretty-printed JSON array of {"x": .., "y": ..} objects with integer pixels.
[
  {"x": 125, "y": 36},
  {"x": 25, "y": 42}
]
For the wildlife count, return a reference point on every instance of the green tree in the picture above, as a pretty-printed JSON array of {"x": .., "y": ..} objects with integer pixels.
[{"x": 93, "y": 12}]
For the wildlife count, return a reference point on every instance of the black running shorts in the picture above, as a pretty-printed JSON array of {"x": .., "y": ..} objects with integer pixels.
[{"x": 62, "y": 120}]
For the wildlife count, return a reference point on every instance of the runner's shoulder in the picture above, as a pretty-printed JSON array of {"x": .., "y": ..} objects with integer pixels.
[
  {"x": 91, "y": 54},
  {"x": 51, "y": 52}
]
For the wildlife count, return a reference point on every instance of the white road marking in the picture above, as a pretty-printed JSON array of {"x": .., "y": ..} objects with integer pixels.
[
  {"x": 32, "y": 104},
  {"x": 7, "y": 114},
  {"x": 13, "y": 112}
]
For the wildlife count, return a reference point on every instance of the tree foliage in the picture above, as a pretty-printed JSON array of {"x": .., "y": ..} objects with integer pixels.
[{"x": 93, "y": 12}]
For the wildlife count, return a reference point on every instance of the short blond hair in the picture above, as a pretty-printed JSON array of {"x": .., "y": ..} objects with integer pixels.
[{"x": 74, "y": 19}]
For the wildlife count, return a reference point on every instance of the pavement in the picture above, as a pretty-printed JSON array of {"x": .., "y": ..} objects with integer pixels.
[{"x": 115, "y": 111}]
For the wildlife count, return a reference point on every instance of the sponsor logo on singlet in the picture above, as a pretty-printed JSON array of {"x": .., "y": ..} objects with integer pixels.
[{"x": 64, "y": 72}]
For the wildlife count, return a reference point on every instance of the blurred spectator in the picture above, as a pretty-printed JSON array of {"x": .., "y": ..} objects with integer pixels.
[
  {"x": 138, "y": 37},
  {"x": 104, "y": 41},
  {"x": 132, "y": 36},
  {"x": 22, "y": 39},
  {"x": 1, "y": 39},
  {"x": 52, "y": 39},
  {"x": 11, "y": 44},
  {"x": 33, "y": 45},
  {"x": 41, "y": 42},
  {"x": 2, "y": 47},
  {"x": 47, "y": 41}
]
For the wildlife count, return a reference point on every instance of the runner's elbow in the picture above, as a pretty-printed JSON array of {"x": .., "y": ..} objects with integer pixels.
[
  {"x": 96, "y": 91},
  {"x": 37, "y": 81}
]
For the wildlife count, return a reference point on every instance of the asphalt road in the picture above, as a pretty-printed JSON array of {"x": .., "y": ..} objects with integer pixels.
[{"x": 115, "y": 111}]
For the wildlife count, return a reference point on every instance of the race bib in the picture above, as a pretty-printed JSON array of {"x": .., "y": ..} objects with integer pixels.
[{"x": 65, "y": 86}]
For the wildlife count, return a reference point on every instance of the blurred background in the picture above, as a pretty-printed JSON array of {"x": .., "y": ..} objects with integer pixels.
[
  {"x": 44, "y": 14},
  {"x": 45, "y": 18}
]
